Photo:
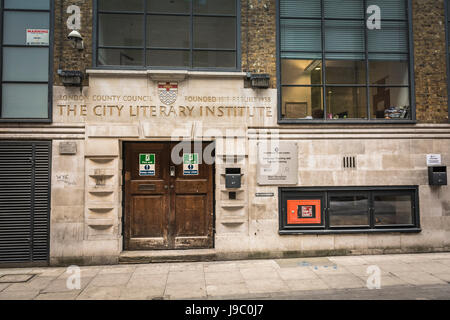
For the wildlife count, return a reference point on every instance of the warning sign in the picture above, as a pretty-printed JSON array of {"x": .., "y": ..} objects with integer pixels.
[
  {"x": 190, "y": 164},
  {"x": 37, "y": 37},
  {"x": 146, "y": 164}
]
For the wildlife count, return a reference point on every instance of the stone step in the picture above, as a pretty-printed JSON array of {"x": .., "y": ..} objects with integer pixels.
[{"x": 158, "y": 256}]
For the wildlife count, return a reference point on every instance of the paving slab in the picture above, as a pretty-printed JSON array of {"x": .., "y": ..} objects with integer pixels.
[
  {"x": 331, "y": 269},
  {"x": 343, "y": 281},
  {"x": 38, "y": 283},
  {"x": 182, "y": 291},
  {"x": 152, "y": 269},
  {"x": 348, "y": 261},
  {"x": 307, "y": 284},
  {"x": 142, "y": 294},
  {"x": 226, "y": 289},
  {"x": 71, "y": 295},
  {"x": 60, "y": 285},
  {"x": 18, "y": 295},
  {"x": 221, "y": 267},
  {"x": 442, "y": 276},
  {"x": 117, "y": 269},
  {"x": 110, "y": 280},
  {"x": 143, "y": 281},
  {"x": 419, "y": 278},
  {"x": 266, "y": 285},
  {"x": 185, "y": 277},
  {"x": 101, "y": 293},
  {"x": 432, "y": 267},
  {"x": 297, "y": 273},
  {"x": 260, "y": 273},
  {"x": 223, "y": 277},
  {"x": 189, "y": 266},
  {"x": 361, "y": 271},
  {"x": 3, "y": 286}
]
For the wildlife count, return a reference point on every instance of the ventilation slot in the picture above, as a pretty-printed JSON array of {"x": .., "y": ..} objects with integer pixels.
[{"x": 349, "y": 162}]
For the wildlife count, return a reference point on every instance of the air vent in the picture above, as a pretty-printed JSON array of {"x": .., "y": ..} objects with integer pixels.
[{"x": 349, "y": 162}]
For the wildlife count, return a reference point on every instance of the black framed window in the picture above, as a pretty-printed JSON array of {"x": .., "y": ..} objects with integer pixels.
[
  {"x": 178, "y": 34},
  {"x": 349, "y": 209},
  {"x": 333, "y": 67},
  {"x": 26, "y": 60}
]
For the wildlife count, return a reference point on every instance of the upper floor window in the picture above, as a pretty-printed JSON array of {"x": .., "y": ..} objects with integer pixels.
[
  {"x": 185, "y": 34},
  {"x": 344, "y": 60},
  {"x": 25, "y": 57}
]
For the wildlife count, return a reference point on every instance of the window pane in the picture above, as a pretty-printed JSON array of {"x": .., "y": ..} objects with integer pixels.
[
  {"x": 219, "y": 33},
  {"x": 120, "y": 57},
  {"x": 301, "y": 71},
  {"x": 300, "y": 8},
  {"x": 346, "y": 72},
  {"x": 389, "y": 72},
  {"x": 302, "y": 103},
  {"x": 392, "y": 37},
  {"x": 344, "y": 9},
  {"x": 346, "y": 103},
  {"x": 121, "y": 30},
  {"x": 168, "y": 58},
  {"x": 346, "y": 36},
  {"x": 392, "y": 209},
  {"x": 214, "y": 59},
  {"x": 390, "y": 103},
  {"x": 301, "y": 35},
  {"x": 27, "y": 4},
  {"x": 25, "y": 64},
  {"x": 391, "y": 9},
  {"x": 120, "y": 5},
  {"x": 347, "y": 210},
  {"x": 168, "y": 32},
  {"x": 215, "y": 7},
  {"x": 169, "y": 6},
  {"x": 16, "y": 24},
  {"x": 25, "y": 100}
]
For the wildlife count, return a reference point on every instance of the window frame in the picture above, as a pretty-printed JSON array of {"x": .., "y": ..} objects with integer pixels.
[
  {"x": 411, "y": 83},
  {"x": 95, "y": 45},
  {"x": 50, "y": 47},
  {"x": 325, "y": 192}
]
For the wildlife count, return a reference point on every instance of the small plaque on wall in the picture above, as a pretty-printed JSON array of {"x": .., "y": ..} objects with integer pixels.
[
  {"x": 68, "y": 148},
  {"x": 277, "y": 163}
]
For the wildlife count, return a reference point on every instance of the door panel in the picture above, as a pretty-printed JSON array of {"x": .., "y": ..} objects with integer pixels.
[
  {"x": 146, "y": 198},
  {"x": 164, "y": 211}
]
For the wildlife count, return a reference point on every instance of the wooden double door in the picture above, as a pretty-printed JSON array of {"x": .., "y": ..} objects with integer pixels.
[{"x": 168, "y": 200}]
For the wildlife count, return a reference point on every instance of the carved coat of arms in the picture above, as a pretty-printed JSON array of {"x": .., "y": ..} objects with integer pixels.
[{"x": 168, "y": 92}]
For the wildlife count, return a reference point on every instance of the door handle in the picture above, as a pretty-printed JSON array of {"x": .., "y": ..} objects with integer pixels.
[
  {"x": 172, "y": 171},
  {"x": 171, "y": 186},
  {"x": 166, "y": 187}
]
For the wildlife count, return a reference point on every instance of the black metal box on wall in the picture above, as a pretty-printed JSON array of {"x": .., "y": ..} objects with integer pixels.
[
  {"x": 437, "y": 176},
  {"x": 232, "y": 178}
]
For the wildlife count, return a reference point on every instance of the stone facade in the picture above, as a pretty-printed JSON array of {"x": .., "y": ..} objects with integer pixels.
[{"x": 87, "y": 210}]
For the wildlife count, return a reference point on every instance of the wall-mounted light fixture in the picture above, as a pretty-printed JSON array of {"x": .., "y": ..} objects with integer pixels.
[
  {"x": 259, "y": 80},
  {"x": 71, "y": 77},
  {"x": 77, "y": 39}
]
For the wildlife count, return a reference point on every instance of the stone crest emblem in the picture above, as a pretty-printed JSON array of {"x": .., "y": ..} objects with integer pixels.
[{"x": 168, "y": 92}]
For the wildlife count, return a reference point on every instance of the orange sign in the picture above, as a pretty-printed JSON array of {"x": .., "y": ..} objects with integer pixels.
[{"x": 304, "y": 212}]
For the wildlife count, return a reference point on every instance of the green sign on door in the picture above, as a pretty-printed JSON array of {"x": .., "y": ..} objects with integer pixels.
[
  {"x": 146, "y": 164},
  {"x": 190, "y": 164}
]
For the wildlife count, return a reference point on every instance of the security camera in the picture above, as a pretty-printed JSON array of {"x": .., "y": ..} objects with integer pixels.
[{"x": 77, "y": 39}]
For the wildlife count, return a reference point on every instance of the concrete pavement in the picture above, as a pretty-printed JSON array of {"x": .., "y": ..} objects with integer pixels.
[{"x": 245, "y": 279}]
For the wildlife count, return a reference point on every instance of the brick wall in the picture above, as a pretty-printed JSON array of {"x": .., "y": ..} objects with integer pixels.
[
  {"x": 430, "y": 61},
  {"x": 258, "y": 37},
  {"x": 71, "y": 58}
]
